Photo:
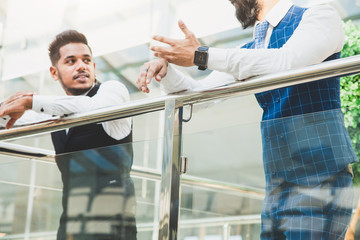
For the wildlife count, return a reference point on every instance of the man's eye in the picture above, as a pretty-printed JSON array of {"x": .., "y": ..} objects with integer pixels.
[
  {"x": 70, "y": 61},
  {"x": 87, "y": 60}
]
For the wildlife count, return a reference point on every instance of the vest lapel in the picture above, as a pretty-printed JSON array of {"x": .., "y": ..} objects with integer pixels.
[{"x": 91, "y": 93}]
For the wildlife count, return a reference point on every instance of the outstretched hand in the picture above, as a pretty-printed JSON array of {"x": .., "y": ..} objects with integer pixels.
[
  {"x": 15, "y": 107},
  {"x": 156, "y": 68},
  {"x": 180, "y": 52}
]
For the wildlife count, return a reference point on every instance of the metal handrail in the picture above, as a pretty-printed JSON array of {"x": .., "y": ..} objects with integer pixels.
[
  {"x": 335, "y": 68},
  {"x": 22, "y": 151},
  {"x": 209, "y": 222}
]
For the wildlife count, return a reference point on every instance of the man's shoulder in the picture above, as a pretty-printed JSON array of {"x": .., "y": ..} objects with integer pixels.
[
  {"x": 113, "y": 85},
  {"x": 323, "y": 9}
]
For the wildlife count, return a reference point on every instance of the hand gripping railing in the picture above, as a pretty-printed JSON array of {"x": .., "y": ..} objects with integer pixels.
[{"x": 173, "y": 105}]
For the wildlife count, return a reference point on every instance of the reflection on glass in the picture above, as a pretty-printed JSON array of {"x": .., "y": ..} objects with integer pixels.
[
  {"x": 98, "y": 195},
  {"x": 309, "y": 190}
]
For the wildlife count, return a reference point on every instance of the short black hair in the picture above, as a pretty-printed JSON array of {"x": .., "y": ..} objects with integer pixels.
[{"x": 62, "y": 39}]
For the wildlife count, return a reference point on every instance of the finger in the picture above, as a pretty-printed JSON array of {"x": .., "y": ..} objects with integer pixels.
[
  {"x": 10, "y": 123},
  {"x": 143, "y": 88},
  {"x": 4, "y": 110},
  {"x": 12, "y": 98},
  {"x": 151, "y": 73},
  {"x": 163, "y": 39},
  {"x": 19, "y": 95},
  {"x": 168, "y": 58},
  {"x": 184, "y": 29},
  {"x": 162, "y": 50},
  {"x": 23, "y": 93},
  {"x": 163, "y": 56},
  {"x": 7, "y": 110},
  {"x": 141, "y": 82},
  {"x": 27, "y": 93},
  {"x": 161, "y": 74}
]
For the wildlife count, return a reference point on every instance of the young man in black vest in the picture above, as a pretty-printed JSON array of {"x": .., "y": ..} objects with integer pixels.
[
  {"x": 95, "y": 158},
  {"x": 306, "y": 148}
]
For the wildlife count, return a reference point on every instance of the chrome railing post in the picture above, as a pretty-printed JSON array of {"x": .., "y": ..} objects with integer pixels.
[
  {"x": 170, "y": 182},
  {"x": 226, "y": 231}
]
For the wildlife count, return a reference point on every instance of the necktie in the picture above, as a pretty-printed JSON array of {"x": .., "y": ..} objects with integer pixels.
[{"x": 260, "y": 31}]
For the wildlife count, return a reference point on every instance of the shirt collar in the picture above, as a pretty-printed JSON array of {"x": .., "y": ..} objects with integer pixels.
[
  {"x": 84, "y": 94},
  {"x": 278, "y": 12}
]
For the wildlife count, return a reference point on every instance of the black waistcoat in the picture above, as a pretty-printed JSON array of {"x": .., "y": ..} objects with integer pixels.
[
  {"x": 84, "y": 137},
  {"x": 88, "y": 158}
]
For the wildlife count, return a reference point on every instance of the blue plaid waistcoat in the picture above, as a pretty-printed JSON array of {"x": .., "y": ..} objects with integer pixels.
[{"x": 303, "y": 134}]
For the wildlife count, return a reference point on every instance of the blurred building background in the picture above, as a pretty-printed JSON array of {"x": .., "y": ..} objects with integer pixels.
[{"x": 221, "y": 143}]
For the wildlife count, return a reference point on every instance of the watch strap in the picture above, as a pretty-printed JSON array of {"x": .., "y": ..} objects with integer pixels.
[{"x": 203, "y": 48}]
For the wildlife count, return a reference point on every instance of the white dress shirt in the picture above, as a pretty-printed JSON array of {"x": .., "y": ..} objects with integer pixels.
[
  {"x": 110, "y": 93},
  {"x": 318, "y": 36}
]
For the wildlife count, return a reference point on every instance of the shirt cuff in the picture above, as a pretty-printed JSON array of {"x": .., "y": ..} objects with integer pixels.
[
  {"x": 217, "y": 59},
  {"x": 42, "y": 104},
  {"x": 170, "y": 83}
]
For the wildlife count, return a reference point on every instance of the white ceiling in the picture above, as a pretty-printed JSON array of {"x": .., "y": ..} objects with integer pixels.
[{"x": 119, "y": 32}]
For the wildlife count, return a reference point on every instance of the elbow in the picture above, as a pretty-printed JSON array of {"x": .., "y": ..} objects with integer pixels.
[{"x": 290, "y": 60}]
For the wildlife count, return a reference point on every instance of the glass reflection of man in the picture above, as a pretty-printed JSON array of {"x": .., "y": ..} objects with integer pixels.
[
  {"x": 306, "y": 148},
  {"x": 98, "y": 194}
]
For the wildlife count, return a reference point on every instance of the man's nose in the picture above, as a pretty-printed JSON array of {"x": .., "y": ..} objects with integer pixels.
[{"x": 80, "y": 65}]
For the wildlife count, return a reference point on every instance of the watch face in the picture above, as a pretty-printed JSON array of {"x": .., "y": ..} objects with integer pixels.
[{"x": 200, "y": 58}]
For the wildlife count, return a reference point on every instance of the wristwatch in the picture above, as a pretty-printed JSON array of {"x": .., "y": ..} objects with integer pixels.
[{"x": 201, "y": 57}]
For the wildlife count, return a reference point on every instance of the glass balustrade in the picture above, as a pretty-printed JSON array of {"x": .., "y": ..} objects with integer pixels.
[
  {"x": 107, "y": 192},
  {"x": 221, "y": 193},
  {"x": 225, "y": 145}
]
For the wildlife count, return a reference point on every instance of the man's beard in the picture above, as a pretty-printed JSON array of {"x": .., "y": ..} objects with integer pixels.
[
  {"x": 72, "y": 91},
  {"x": 247, "y": 12}
]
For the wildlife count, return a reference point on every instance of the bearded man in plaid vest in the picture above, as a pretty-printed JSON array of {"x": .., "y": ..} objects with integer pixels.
[{"x": 306, "y": 148}]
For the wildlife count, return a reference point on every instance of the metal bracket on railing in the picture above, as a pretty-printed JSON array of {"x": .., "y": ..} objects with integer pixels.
[
  {"x": 183, "y": 165},
  {"x": 191, "y": 110}
]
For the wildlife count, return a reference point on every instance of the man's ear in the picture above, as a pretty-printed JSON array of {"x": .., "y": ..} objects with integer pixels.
[{"x": 54, "y": 73}]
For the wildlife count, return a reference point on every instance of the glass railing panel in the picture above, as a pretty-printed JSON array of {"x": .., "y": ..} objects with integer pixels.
[
  {"x": 303, "y": 150},
  {"x": 42, "y": 141},
  {"x": 13, "y": 205},
  {"x": 227, "y": 148},
  {"x": 95, "y": 197},
  {"x": 201, "y": 232},
  {"x": 44, "y": 207},
  {"x": 101, "y": 198},
  {"x": 14, "y": 169},
  {"x": 225, "y": 144},
  {"x": 47, "y": 175},
  {"x": 210, "y": 213},
  {"x": 148, "y": 154},
  {"x": 230, "y": 232},
  {"x": 21, "y": 201},
  {"x": 148, "y": 132},
  {"x": 200, "y": 203}
]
